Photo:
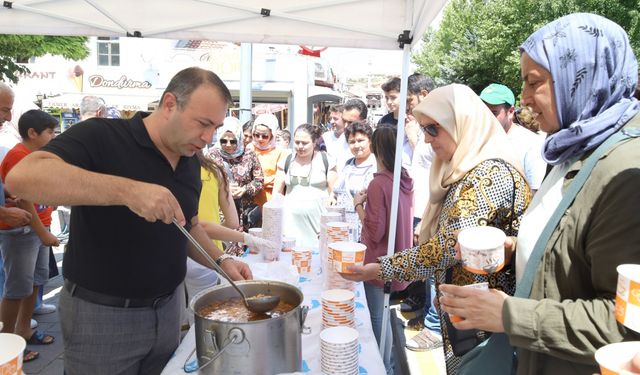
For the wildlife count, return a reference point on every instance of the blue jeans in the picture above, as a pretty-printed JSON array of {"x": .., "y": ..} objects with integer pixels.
[
  {"x": 375, "y": 302},
  {"x": 431, "y": 317}
]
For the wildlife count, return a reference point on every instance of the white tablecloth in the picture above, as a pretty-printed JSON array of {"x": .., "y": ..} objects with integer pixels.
[{"x": 311, "y": 286}]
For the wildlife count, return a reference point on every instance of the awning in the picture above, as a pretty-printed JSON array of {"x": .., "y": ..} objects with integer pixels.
[{"x": 121, "y": 102}]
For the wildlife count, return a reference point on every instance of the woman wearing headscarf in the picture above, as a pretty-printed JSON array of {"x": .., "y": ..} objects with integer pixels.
[
  {"x": 579, "y": 76},
  {"x": 264, "y": 144},
  {"x": 242, "y": 169},
  {"x": 306, "y": 177},
  {"x": 473, "y": 180}
]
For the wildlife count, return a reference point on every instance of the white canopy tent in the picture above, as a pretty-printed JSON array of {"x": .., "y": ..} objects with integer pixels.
[{"x": 379, "y": 24}]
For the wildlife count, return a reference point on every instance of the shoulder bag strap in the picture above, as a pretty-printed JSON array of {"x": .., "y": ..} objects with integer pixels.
[{"x": 523, "y": 288}]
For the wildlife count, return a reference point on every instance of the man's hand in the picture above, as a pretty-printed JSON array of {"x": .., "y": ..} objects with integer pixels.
[
  {"x": 237, "y": 270},
  {"x": 154, "y": 202},
  {"x": 362, "y": 273},
  {"x": 480, "y": 309},
  {"x": 14, "y": 216}
]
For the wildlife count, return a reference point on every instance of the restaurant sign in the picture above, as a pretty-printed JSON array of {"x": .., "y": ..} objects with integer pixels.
[{"x": 123, "y": 82}]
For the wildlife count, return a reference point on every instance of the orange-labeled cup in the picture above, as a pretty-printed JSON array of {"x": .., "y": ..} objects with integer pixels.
[
  {"x": 619, "y": 359},
  {"x": 345, "y": 254},
  {"x": 628, "y": 296},
  {"x": 11, "y": 351},
  {"x": 481, "y": 286}
]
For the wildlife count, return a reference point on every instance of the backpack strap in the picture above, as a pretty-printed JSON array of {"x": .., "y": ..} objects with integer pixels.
[
  {"x": 325, "y": 160},
  {"x": 287, "y": 163}
]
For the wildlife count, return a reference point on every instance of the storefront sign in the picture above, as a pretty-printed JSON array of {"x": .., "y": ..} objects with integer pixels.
[
  {"x": 122, "y": 83},
  {"x": 37, "y": 75}
]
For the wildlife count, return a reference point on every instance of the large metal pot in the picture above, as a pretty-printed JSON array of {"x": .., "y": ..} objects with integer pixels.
[{"x": 270, "y": 346}]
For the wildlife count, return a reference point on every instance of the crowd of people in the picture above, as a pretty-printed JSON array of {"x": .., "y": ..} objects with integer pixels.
[{"x": 468, "y": 159}]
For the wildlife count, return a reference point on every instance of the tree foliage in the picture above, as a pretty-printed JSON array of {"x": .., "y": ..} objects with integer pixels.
[
  {"x": 16, "y": 48},
  {"x": 477, "y": 42}
]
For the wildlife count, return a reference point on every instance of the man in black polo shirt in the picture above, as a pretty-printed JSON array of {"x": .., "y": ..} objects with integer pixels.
[{"x": 127, "y": 180}]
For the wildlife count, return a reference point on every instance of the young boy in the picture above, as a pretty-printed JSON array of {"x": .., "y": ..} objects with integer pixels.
[{"x": 25, "y": 250}]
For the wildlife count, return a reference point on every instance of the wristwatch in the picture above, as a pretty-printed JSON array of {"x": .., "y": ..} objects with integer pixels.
[{"x": 222, "y": 258}]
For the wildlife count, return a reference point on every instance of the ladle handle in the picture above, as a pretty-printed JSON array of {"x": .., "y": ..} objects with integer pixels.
[{"x": 208, "y": 257}]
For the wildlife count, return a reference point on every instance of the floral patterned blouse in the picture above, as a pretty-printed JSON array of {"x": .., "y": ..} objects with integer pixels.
[
  {"x": 482, "y": 197},
  {"x": 246, "y": 172}
]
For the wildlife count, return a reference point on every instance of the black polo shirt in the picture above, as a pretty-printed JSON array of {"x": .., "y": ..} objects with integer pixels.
[{"x": 112, "y": 250}]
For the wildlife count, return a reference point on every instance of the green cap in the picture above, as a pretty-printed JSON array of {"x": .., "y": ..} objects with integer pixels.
[{"x": 496, "y": 94}]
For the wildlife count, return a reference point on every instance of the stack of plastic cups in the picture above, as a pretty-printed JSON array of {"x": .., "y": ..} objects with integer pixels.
[
  {"x": 339, "y": 351},
  {"x": 301, "y": 259},
  {"x": 336, "y": 232},
  {"x": 325, "y": 218},
  {"x": 258, "y": 233},
  {"x": 340, "y": 210},
  {"x": 338, "y": 308}
]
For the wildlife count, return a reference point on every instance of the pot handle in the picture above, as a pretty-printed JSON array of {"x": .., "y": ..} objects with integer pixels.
[
  {"x": 303, "y": 317},
  {"x": 234, "y": 336}
]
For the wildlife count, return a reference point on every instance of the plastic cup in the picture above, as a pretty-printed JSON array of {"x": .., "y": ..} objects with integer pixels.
[
  {"x": 288, "y": 243},
  {"x": 11, "y": 349},
  {"x": 481, "y": 286},
  {"x": 345, "y": 254},
  {"x": 628, "y": 296},
  {"x": 258, "y": 233},
  {"x": 482, "y": 249},
  {"x": 615, "y": 359}
]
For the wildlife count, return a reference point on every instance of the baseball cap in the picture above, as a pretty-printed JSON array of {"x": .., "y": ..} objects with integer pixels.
[{"x": 496, "y": 94}]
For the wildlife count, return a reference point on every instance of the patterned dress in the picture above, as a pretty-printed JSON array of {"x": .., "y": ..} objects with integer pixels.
[
  {"x": 483, "y": 196},
  {"x": 245, "y": 171}
]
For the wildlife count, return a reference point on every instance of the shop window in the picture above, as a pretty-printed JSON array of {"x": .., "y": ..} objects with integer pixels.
[{"x": 108, "y": 51}]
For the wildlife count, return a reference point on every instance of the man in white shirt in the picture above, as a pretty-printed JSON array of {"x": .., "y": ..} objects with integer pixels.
[
  {"x": 334, "y": 139},
  {"x": 528, "y": 145}
]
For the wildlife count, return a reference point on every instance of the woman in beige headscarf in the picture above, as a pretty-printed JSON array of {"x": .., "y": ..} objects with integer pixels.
[{"x": 474, "y": 179}]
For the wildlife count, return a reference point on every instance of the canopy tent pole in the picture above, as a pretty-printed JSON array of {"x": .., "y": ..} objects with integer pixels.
[
  {"x": 395, "y": 193},
  {"x": 246, "y": 95}
]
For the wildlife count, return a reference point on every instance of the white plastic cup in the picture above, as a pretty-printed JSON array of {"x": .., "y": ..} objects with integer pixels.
[
  {"x": 480, "y": 286},
  {"x": 257, "y": 232},
  {"x": 628, "y": 296},
  {"x": 482, "y": 249},
  {"x": 616, "y": 359},
  {"x": 288, "y": 243},
  {"x": 11, "y": 349}
]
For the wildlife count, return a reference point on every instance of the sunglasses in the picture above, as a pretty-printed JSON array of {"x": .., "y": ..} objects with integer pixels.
[
  {"x": 230, "y": 141},
  {"x": 429, "y": 129},
  {"x": 260, "y": 136}
]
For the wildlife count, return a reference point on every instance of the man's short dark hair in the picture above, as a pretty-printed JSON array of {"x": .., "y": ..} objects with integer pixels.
[
  {"x": 392, "y": 84},
  {"x": 356, "y": 104},
  {"x": 336, "y": 108},
  {"x": 358, "y": 127},
  {"x": 186, "y": 81},
  {"x": 37, "y": 120},
  {"x": 418, "y": 82}
]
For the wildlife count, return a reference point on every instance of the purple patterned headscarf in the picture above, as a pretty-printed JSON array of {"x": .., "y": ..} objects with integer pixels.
[{"x": 594, "y": 75}]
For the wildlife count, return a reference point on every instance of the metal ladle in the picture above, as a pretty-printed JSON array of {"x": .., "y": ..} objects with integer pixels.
[{"x": 256, "y": 304}]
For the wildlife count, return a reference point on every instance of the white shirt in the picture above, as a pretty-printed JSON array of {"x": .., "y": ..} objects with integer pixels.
[
  {"x": 420, "y": 168},
  {"x": 528, "y": 147},
  {"x": 544, "y": 203},
  {"x": 337, "y": 148},
  {"x": 9, "y": 137}
]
